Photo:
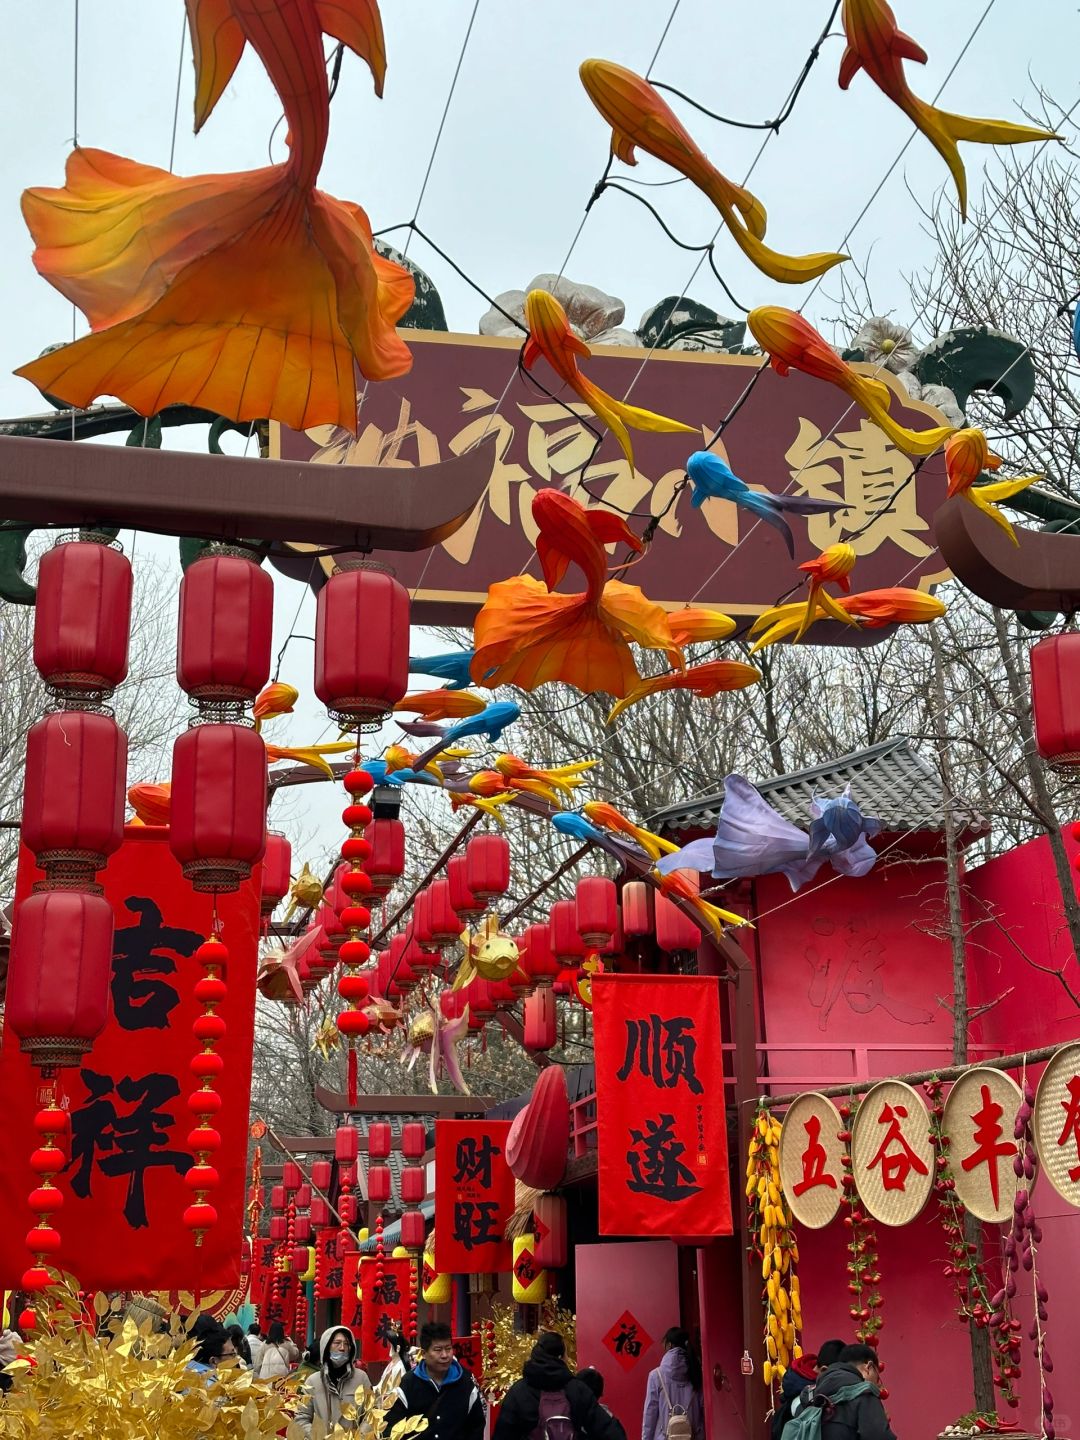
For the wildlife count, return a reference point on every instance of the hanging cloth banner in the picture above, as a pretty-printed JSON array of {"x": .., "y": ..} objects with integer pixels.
[
  {"x": 661, "y": 1120},
  {"x": 474, "y": 1197},
  {"x": 262, "y": 1270},
  {"x": 124, "y": 1191},
  {"x": 326, "y": 1243},
  {"x": 386, "y": 1290}
]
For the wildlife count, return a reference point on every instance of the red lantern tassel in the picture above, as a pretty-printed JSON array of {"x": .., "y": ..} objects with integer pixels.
[{"x": 353, "y": 1075}]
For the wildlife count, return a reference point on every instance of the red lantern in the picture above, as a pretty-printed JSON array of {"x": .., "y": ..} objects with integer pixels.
[
  {"x": 480, "y": 1001},
  {"x": 567, "y": 944},
  {"x": 277, "y": 1197},
  {"x": 444, "y": 924},
  {"x": 413, "y": 1230},
  {"x": 414, "y": 1140},
  {"x": 361, "y": 646},
  {"x": 346, "y": 1144},
  {"x": 223, "y": 638},
  {"x": 279, "y": 1227},
  {"x": 452, "y": 1003},
  {"x": 550, "y": 1250},
  {"x": 1055, "y": 699},
  {"x": 676, "y": 933},
  {"x": 320, "y": 1213},
  {"x": 82, "y": 618},
  {"x": 218, "y": 824},
  {"x": 596, "y": 910},
  {"x": 417, "y": 958},
  {"x": 637, "y": 909},
  {"x": 59, "y": 974},
  {"x": 487, "y": 866},
  {"x": 302, "y": 1230},
  {"x": 378, "y": 1184},
  {"x": 303, "y": 1196},
  {"x": 538, "y": 959},
  {"x": 461, "y": 897},
  {"x": 537, "y": 1146},
  {"x": 346, "y": 1209},
  {"x": 291, "y": 1177},
  {"x": 413, "y": 1184},
  {"x": 540, "y": 1020},
  {"x": 276, "y": 871},
  {"x": 379, "y": 1139},
  {"x": 386, "y": 863},
  {"x": 73, "y": 797},
  {"x": 321, "y": 1171}
]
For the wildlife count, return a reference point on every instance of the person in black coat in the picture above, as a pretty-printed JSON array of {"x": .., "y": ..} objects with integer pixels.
[
  {"x": 440, "y": 1389},
  {"x": 546, "y": 1370},
  {"x": 862, "y": 1418}
]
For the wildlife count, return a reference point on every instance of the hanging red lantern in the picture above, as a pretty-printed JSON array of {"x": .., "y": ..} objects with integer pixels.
[
  {"x": 302, "y": 1230},
  {"x": 278, "y": 1227},
  {"x": 379, "y": 1140},
  {"x": 82, "y": 618},
  {"x": 503, "y": 993},
  {"x": 361, "y": 646},
  {"x": 352, "y": 887},
  {"x": 461, "y": 897},
  {"x": 537, "y": 1145},
  {"x": 291, "y": 1177},
  {"x": 1055, "y": 699},
  {"x": 277, "y": 1197},
  {"x": 59, "y": 974},
  {"x": 386, "y": 863},
  {"x": 395, "y": 976},
  {"x": 321, "y": 1172},
  {"x": 487, "y": 866},
  {"x": 303, "y": 1196},
  {"x": 378, "y": 1187},
  {"x": 346, "y": 1208},
  {"x": 480, "y": 1001},
  {"x": 419, "y": 959},
  {"x": 224, "y": 633},
  {"x": 549, "y": 1214},
  {"x": 538, "y": 958},
  {"x": 676, "y": 933},
  {"x": 320, "y": 1213},
  {"x": 413, "y": 1229},
  {"x": 218, "y": 822},
  {"x": 596, "y": 910},
  {"x": 413, "y": 1186},
  {"x": 445, "y": 924},
  {"x": 452, "y": 1003},
  {"x": 276, "y": 871},
  {"x": 540, "y": 1020},
  {"x": 414, "y": 1140},
  {"x": 73, "y": 796},
  {"x": 567, "y": 944},
  {"x": 637, "y": 909},
  {"x": 346, "y": 1144}
]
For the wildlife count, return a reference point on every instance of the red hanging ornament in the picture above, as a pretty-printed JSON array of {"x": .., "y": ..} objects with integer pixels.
[
  {"x": 414, "y": 1140},
  {"x": 59, "y": 975},
  {"x": 637, "y": 909},
  {"x": 487, "y": 866},
  {"x": 413, "y": 1229},
  {"x": 379, "y": 1140},
  {"x": 386, "y": 863},
  {"x": 47, "y": 1160},
  {"x": 73, "y": 796},
  {"x": 462, "y": 898},
  {"x": 218, "y": 817},
  {"x": 445, "y": 926},
  {"x": 540, "y": 1020},
  {"x": 1055, "y": 699},
  {"x": 361, "y": 646},
  {"x": 676, "y": 933},
  {"x": 204, "y": 1103},
  {"x": 566, "y": 943},
  {"x": 82, "y": 619},
  {"x": 276, "y": 872},
  {"x": 353, "y": 888},
  {"x": 596, "y": 910},
  {"x": 378, "y": 1178},
  {"x": 538, "y": 959},
  {"x": 224, "y": 632},
  {"x": 413, "y": 1186}
]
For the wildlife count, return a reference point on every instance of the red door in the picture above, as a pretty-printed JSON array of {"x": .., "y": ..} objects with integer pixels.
[{"x": 627, "y": 1296}]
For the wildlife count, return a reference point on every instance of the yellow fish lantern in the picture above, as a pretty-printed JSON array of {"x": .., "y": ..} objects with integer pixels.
[
  {"x": 494, "y": 956},
  {"x": 435, "y": 1287},
  {"x": 399, "y": 1252},
  {"x": 305, "y": 892},
  {"x": 530, "y": 1282}
]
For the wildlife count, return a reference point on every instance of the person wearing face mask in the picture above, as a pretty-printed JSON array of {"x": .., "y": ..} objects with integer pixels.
[{"x": 335, "y": 1384}]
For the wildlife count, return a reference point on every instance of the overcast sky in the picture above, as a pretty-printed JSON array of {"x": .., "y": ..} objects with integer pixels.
[{"x": 522, "y": 148}]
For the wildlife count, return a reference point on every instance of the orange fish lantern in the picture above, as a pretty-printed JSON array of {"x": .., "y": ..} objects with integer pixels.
[
  {"x": 274, "y": 700},
  {"x": 876, "y": 44},
  {"x": 151, "y": 803},
  {"x": 442, "y": 705},
  {"x": 564, "y": 778},
  {"x": 678, "y": 884},
  {"x": 550, "y": 335},
  {"x": 694, "y": 625},
  {"x": 792, "y": 343},
  {"x": 833, "y": 566},
  {"x": 529, "y": 636},
  {"x": 599, "y": 812},
  {"x": 967, "y": 456},
  {"x": 253, "y": 295},
  {"x": 638, "y": 116},
  {"x": 703, "y": 681},
  {"x": 873, "y": 609}
]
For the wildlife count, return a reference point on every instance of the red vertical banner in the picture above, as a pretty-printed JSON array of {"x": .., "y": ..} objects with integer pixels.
[
  {"x": 351, "y": 1310},
  {"x": 123, "y": 1186},
  {"x": 326, "y": 1243},
  {"x": 661, "y": 1120},
  {"x": 474, "y": 1197},
  {"x": 470, "y": 1352},
  {"x": 386, "y": 1292},
  {"x": 262, "y": 1270}
]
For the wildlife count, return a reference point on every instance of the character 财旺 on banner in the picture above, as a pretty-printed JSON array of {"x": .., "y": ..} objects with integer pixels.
[{"x": 474, "y": 1160}]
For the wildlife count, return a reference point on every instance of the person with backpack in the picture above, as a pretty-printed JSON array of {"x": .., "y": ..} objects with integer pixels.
[
  {"x": 548, "y": 1403},
  {"x": 846, "y": 1403},
  {"x": 440, "y": 1390},
  {"x": 674, "y": 1407},
  {"x": 797, "y": 1386}
]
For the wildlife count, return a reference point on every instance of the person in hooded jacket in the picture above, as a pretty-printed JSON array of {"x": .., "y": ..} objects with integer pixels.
[
  {"x": 676, "y": 1382},
  {"x": 862, "y": 1417},
  {"x": 439, "y": 1389},
  {"x": 799, "y": 1376},
  {"x": 546, "y": 1373},
  {"x": 335, "y": 1384}
]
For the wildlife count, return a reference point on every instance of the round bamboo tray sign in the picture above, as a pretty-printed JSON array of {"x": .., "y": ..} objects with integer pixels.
[
  {"x": 979, "y": 1117},
  {"x": 811, "y": 1155},
  {"x": 892, "y": 1157},
  {"x": 1057, "y": 1123}
]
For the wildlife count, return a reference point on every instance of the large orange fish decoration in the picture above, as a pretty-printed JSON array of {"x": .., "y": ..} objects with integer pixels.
[
  {"x": 563, "y": 778},
  {"x": 792, "y": 343},
  {"x": 600, "y": 812},
  {"x": 683, "y": 884},
  {"x": 967, "y": 456},
  {"x": 876, "y": 44},
  {"x": 442, "y": 704},
  {"x": 873, "y": 609},
  {"x": 528, "y": 636},
  {"x": 251, "y": 294},
  {"x": 550, "y": 335},
  {"x": 704, "y": 681},
  {"x": 638, "y": 116},
  {"x": 832, "y": 567}
]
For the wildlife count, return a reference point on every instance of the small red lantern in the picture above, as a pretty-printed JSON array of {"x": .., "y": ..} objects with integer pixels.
[
  {"x": 1055, "y": 699},
  {"x": 676, "y": 933},
  {"x": 59, "y": 975},
  {"x": 82, "y": 618},
  {"x": 378, "y": 1184},
  {"x": 540, "y": 1020},
  {"x": 452, "y": 1003},
  {"x": 291, "y": 1177},
  {"x": 637, "y": 909},
  {"x": 346, "y": 1144},
  {"x": 361, "y": 646},
  {"x": 480, "y": 1000},
  {"x": 551, "y": 1250},
  {"x": 302, "y": 1197},
  {"x": 276, "y": 871},
  {"x": 379, "y": 1140},
  {"x": 487, "y": 866},
  {"x": 218, "y": 822},
  {"x": 279, "y": 1227},
  {"x": 538, "y": 959},
  {"x": 224, "y": 633},
  {"x": 73, "y": 796},
  {"x": 419, "y": 958},
  {"x": 444, "y": 924},
  {"x": 302, "y": 1230},
  {"x": 277, "y": 1197},
  {"x": 320, "y": 1213},
  {"x": 413, "y": 1230},
  {"x": 566, "y": 943},
  {"x": 413, "y": 1184},
  {"x": 461, "y": 897},
  {"x": 414, "y": 1140},
  {"x": 596, "y": 909},
  {"x": 321, "y": 1171},
  {"x": 346, "y": 1208},
  {"x": 386, "y": 863}
]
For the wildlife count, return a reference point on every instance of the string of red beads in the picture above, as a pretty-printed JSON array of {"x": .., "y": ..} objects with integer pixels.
[
  {"x": 205, "y": 1103},
  {"x": 354, "y": 915}
]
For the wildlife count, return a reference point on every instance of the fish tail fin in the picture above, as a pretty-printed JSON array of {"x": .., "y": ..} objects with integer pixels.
[
  {"x": 874, "y": 397},
  {"x": 765, "y": 508},
  {"x": 727, "y": 196},
  {"x": 785, "y": 269},
  {"x": 978, "y": 498},
  {"x": 357, "y": 24},
  {"x": 621, "y": 417},
  {"x": 944, "y": 129}
]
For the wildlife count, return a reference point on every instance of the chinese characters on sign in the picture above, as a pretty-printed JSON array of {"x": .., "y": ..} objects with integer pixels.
[
  {"x": 474, "y": 1196},
  {"x": 1056, "y": 1123},
  {"x": 811, "y": 1159},
  {"x": 627, "y": 1340},
  {"x": 799, "y": 438},
  {"x": 662, "y": 1141},
  {"x": 385, "y": 1290},
  {"x": 892, "y": 1154},
  {"x": 979, "y": 1115}
]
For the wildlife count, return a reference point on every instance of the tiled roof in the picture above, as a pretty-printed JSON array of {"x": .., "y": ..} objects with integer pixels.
[
  {"x": 891, "y": 781},
  {"x": 392, "y": 1233}
]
